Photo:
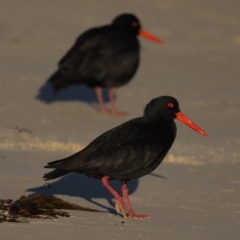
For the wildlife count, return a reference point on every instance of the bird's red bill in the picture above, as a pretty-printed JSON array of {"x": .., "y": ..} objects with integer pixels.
[
  {"x": 149, "y": 36},
  {"x": 181, "y": 117}
]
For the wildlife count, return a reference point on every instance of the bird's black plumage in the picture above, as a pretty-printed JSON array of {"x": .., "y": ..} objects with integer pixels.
[
  {"x": 128, "y": 151},
  {"x": 106, "y": 56},
  {"x": 131, "y": 150}
]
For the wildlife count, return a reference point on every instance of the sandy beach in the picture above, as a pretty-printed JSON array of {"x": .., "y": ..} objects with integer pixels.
[{"x": 195, "y": 192}]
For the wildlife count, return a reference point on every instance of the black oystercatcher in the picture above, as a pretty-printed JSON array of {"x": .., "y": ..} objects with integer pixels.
[
  {"x": 106, "y": 56},
  {"x": 131, "y": 150}
]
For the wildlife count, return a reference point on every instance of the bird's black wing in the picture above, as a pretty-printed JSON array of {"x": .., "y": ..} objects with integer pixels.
[
  {"x": 101, "y": 54},
  {"x": 132, "y": 146},
  {"x": 80, "y": 41}
]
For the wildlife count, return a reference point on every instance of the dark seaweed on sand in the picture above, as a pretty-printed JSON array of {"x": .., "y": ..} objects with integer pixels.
[{"x": 36, "y": 206}]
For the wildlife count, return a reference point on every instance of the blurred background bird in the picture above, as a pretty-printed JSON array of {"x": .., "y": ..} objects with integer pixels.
[{"x": 103, "y": 57}]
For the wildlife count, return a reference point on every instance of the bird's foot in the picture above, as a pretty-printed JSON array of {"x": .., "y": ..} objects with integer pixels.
[
  {"x": 112, "y": 112},
  {"x": 138, "y": 216},
  {"x": 116, "y": 113},
  {"x": 119, "y": 208},
  {"x": 104, "y": 110}
]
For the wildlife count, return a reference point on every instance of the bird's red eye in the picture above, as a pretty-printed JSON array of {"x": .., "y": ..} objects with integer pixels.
[
  {"x": 134, "y": 24},
  {"x": 170, "y": 105}
]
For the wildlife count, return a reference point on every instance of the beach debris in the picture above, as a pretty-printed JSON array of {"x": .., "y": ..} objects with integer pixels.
[{"x": 36, "y": 206}]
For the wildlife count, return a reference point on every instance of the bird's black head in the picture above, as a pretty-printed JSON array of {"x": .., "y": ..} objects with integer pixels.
[
  {"x": 130, "y": 23},
  {"x": 127, "y": 22},
  {"x": 166, "y": 109},
  {"x": 162, "y": 108}
]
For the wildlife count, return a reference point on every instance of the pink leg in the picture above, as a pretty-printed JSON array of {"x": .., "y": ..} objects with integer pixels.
[
  {"x": 102, "y": 107},
  {"x": 113, "y": 109},
  {"x": 119, "y": 205},
  {"x": 131, "y": 214}
]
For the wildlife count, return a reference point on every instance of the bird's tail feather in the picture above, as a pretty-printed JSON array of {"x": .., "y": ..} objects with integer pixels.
[
  {"x": 63, "y": 78},
  {"x": 55, "y": 164},
  {"x": 58, "y": 172},
  {"x": 58, "y": 82},
  {"x": 55, "y": 174}
]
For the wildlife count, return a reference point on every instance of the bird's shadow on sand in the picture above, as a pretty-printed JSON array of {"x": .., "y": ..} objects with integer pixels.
[
  {"x": 90, "y": 189},
  {"x": 79, "y": 185},
  {"x": 72, "y": 93}
]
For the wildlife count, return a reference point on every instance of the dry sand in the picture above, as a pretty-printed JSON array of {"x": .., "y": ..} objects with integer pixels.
[{"x": 195, "y": 193}]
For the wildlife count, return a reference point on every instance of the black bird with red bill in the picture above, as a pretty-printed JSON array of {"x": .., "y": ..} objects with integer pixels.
[
  {"x": 106, "y": 56},
  {"x": 128, "y": 151}
]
